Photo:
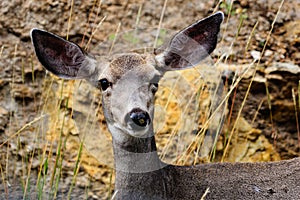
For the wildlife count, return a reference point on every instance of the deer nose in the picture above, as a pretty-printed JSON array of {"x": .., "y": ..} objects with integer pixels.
[{"x": 139, "y": 118}]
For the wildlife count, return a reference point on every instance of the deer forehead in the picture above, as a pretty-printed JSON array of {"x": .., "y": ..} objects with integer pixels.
[{"x": 133, "y": 64}]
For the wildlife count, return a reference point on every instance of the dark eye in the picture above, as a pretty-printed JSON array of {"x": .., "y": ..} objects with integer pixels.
[
  {"x": 154, "y": 87},
  {"x": 104, "y": 84},
  {"x": 154, "y": 83}
]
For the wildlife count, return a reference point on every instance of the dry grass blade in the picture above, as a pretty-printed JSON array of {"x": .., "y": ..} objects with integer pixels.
[
  {"x": 22, "y": 129},
  {"x": 160, "y": 23},
  {"x": 205, "y": 194}
]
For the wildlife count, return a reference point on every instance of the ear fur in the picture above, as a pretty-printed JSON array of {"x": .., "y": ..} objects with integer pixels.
[
  {"x": 191, "y": 45},
  {"x": 61, "y": 57}
]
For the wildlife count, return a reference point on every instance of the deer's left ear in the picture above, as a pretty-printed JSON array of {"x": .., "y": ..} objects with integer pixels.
[{"x": 191, "y": 45}]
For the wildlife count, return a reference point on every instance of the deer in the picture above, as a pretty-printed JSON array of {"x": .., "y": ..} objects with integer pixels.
[{"x": 128, "y": 83}]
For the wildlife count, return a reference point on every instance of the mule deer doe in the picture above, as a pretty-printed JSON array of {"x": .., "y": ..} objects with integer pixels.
[{"x": 128, "y": 83}]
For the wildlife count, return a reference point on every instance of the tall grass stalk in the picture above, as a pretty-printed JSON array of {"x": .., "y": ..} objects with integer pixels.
[
  {"x": 90, "y": 20},
  {"x": 160, "y": 23},
  {"x": 43, "y": 171},
  {"x": 251, "y": 81},
  {"x": 76, "y": 169}
]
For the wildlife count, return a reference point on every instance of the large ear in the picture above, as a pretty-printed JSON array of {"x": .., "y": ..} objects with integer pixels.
[
  {"x": 61, "y": 57},
  {"x": 191, "y": 45}
]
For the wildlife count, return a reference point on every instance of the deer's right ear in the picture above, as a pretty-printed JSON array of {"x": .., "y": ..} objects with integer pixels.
[{"x": 61, "y": 57}]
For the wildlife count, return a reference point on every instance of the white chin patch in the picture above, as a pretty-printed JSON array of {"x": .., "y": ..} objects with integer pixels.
[
  {"x": 119, "y": 133},
  {"x": 139, "y": 133}
]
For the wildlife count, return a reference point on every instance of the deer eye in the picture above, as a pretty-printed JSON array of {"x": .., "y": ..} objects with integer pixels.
[
  {"x": 104, "y": 84},
  {"x": 154, "y": 83},
  {"x": 154, "y": 87}
]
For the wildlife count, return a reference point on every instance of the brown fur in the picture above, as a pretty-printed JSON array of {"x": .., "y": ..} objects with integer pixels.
[
  {"x": 271, "y": 180},
  {"x": 124, "y": 63}
]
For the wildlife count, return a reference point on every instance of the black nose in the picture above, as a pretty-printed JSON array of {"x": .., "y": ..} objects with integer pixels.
[{"x": 139, "y": 118}]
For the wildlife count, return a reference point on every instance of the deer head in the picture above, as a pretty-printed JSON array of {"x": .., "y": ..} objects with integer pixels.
[{"x": 128, "y": 81}]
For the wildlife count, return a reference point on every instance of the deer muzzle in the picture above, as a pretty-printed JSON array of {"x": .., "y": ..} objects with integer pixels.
[{"x": 138, "y": 119}]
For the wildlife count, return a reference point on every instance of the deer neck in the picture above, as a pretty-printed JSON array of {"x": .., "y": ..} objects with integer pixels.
[
  {"x": 138, "y": 168},
  {"x": 135, "y": 154}
]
